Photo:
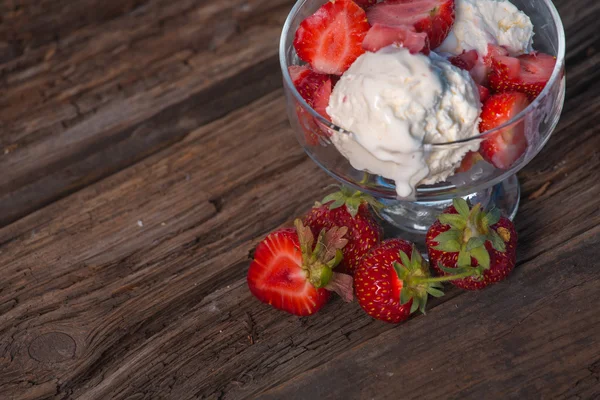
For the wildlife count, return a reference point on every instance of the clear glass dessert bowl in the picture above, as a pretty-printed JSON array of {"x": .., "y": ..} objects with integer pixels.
[{"x": 483, "y": 182}]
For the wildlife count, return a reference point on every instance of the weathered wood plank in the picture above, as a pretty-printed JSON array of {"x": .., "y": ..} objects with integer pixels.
[{"x": 116, "y": 93}]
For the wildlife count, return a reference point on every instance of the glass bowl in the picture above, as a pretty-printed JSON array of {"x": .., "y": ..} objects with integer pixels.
[{"x": 483, "y": 183}]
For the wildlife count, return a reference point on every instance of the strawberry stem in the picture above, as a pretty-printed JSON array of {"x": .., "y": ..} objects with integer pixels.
[{"x": 445, "y": 278}]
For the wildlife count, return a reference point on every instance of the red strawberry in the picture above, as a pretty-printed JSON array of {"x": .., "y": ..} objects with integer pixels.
[
  {"x": 466, "y": 60},
  {"x": 365, "y": 3},
  {"x": 528, "y": 73},
  {"x": 483, "y": 66},
  {"x": 349, "y": 209},
  {"x": 380, "y": 36},
  {"x": 471, "y": 248},
  {"x": 434, "y": 17},
  {"x": 470, "y": 159},
  {"x": 315, "y": 89},
  {"x": 331, "y": 39},
  {"x": 504, "y": 147},
  {"x": 289, "y": 275},
  {"x": 390, "y": 282},
  {"x": 484, "y": 93}
]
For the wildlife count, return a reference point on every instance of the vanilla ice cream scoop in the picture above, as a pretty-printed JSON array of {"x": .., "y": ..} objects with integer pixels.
[
  {"x": 479, "y": 22},
  {"x": 393, "y": 103}
]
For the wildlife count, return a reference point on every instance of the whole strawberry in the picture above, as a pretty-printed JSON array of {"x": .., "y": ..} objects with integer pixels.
[
  {"x": 476, "y": 248},
  {"x": 393, "y": 281},
  {"x": 294, "y": 273},
  {"x": 350, "y": 209}
]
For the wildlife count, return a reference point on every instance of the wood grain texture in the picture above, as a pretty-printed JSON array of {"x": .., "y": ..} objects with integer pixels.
[{"x": 163, "y": 155}]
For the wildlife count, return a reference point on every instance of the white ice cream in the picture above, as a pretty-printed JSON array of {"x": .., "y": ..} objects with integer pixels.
[
  {"x": 479, "y": 22},
  {"x": 393, "y": 103}
]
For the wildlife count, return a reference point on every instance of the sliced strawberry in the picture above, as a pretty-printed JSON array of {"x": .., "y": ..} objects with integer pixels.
[
  {"x": 484, "y": 93},
  {"x": 365, "y": 3},
  {"x": 434, "y": 17},
  {"x": 466, "y": 60},
  {"x": 331, "y": 39},
  {"x": 380, "y": 36},
  {"x": 504, "y": 147},
  {"x": 470, "y": 159},
  {"x": 276, "y": 276},
  {"x": 483, "y": 66},
  {"x": 527, "y": 73},
  {"x": 315, "y": 89},
  {"x": 492, "y": 52}
]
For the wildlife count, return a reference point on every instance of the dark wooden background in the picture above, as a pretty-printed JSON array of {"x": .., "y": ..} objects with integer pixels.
[{"x": 144, "y": 151}]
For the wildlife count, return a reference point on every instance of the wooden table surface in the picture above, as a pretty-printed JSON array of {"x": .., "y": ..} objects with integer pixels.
[{"x": 144, "y": 151}]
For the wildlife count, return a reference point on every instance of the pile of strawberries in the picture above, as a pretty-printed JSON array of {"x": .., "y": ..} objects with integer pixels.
[
  {"x": 338, "y": 246},
  {"x": 331, "y": 39}
]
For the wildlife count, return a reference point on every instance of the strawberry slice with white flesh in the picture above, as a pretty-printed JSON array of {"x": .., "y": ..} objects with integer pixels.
[
  {"x": 504, "y": 147},
  {"x": 292, "y": 270},
  {"x": 434, "y": 17},
  {"x": 380, "y": 36},
  {"x": 483, "y": 66},
  {"x": 315, "y": 89},
  {"x": 331, "y": 39},
  {"x": 528, "y": 73}
]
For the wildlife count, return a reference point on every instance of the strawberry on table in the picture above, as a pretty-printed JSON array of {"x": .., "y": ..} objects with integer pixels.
[
  {"x": 331, "y": 39},
  {"x": 434, "y": 17},
  {"x": 350, "y": 209},
  {"x": 315, "y": 89},
  {"x": 504, "y": 147},
  {"x": 471, "y": 248},
  {"x": 391, "y": 281},
  {"x": 294, "y": 273},
  {"x": 528, "y": 73},
  {"x": 380, "y": 36}
]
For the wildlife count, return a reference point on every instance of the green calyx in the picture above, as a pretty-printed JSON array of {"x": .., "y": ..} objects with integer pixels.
[
  {"x": 417, "y": 283},
  {"x": 469, "y": 230},
  {"x": 352, "y": 199},
  {"x": 319, "y": 262}
]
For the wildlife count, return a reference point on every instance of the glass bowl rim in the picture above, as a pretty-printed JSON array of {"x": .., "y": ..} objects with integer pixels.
[{"x": 556, "y": 75}]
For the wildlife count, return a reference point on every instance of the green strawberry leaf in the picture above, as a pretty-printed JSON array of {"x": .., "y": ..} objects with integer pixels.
[
  {"x": 434, "y": 292},
  {"x": 497, "y": 242},
  {"x": 464, "y": 258},
  {"x": 474, "y": 242},
  {"x": 482, "y": 256},
  {"x": 404, "y": 259},
  {"x": 454, "y": 220},
  {"x": 452, "y": 234},
  {"x": 415, "y": 306},
  {"x": 405, "y": 296},
  {"x": 492, "y": 217},
  {"x": 451, "y": 246},
  {"x": 461, "y": 206}
]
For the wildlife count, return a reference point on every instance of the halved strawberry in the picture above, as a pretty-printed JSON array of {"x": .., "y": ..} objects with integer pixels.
[
  {"x": 331, "y": 39},
  {"x": 527, "y": 73},
  {"x": 292, "y": 271},
  {"x": 434, "y": 17},
  {"x": 466, "y": 60},
  {"x": 380, "y": 36},
  {"x": 315, "y": 89},
  {"x": 504, "y": 147},
  {"x": 484, "y": 93},
  {"x": 470, "y": 159},
  {"x": 365, "y": 3}
]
